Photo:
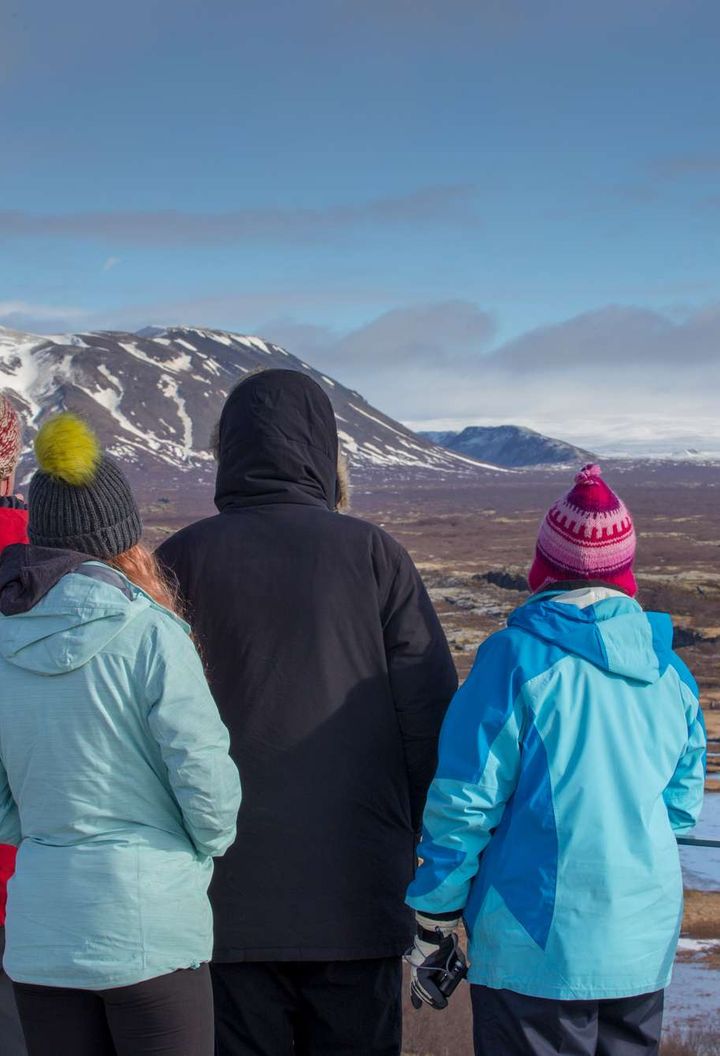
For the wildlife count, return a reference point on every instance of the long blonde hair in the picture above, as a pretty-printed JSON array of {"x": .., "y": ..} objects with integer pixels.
[{"x": 142, "y": 568}]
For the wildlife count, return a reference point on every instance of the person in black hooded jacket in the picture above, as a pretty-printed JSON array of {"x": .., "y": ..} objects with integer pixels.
[{"x": 332, "y": 673}]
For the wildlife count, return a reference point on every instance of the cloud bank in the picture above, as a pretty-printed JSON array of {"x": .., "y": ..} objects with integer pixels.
[
  {"x": 619, "y": 379},
  {"x": 453, "y": 205}
]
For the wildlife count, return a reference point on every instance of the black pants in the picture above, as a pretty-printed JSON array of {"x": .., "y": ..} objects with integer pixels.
[
  {"x": 298, "y": 1008},
  {"x": 12, "y": 1042},
  {"x": 517, "y": 1025},
  {"x": 168, "y": 1016}
]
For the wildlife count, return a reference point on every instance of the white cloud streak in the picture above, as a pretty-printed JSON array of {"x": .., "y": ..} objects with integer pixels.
[{"x": 453, "y": 205}]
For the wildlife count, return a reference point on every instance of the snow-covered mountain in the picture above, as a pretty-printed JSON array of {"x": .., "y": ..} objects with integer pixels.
[
  {"x": 509, "y": 445},
  {"x": 155, "y": 395}
]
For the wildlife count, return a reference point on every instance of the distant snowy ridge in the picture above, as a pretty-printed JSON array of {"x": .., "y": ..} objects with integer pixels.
[
  {"x": 512, "y": 446},
  {"x": 154, "y": 396}
]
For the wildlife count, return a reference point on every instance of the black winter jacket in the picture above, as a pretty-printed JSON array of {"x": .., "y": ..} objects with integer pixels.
[{"x": 333, "y": 675}]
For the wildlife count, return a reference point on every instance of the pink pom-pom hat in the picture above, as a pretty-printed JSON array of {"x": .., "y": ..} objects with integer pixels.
[{"x": 587, "y": 534}]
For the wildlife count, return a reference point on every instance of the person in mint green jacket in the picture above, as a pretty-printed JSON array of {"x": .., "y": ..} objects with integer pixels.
[
  {"x": 569, "y": 760},
  {"x": 115, "y": 780}
]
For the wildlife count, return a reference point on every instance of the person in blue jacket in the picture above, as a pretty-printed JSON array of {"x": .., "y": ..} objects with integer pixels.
[
  {"x": 569, "y": 760},
  {"x": 115, "y": 780}
]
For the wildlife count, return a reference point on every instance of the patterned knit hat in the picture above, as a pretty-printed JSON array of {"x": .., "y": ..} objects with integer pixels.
[
  {"x": 79, "y": 498},
  {"x": 10, "y": 437},
  {"x": 587, "y": 534}
]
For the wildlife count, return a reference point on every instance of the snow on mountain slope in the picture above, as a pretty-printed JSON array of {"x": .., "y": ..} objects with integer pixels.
[{"x": 154, "y": 397}]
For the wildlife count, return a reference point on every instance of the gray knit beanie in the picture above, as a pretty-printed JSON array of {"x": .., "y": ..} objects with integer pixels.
[{"x": 79, "y": 498}]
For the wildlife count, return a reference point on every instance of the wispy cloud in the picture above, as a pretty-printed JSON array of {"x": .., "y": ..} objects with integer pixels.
[
  {"x": 110, "y": 263},
  {"x": 452, "y": 204},
  {"x": 25, "y": 315},
  {"x": 436, "y": 334},
  {"x": 680, "y": 165}
]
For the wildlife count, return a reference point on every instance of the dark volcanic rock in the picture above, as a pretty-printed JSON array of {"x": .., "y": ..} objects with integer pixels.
[
  {"x": 683, "y": 637},
  {"x": 505, "y": 579}
]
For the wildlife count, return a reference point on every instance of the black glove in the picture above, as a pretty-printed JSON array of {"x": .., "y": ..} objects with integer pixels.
[{"x": 437, "y": 963}]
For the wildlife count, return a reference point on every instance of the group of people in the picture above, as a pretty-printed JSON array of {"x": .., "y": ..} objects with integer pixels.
[{"x": 153, "y": 912}]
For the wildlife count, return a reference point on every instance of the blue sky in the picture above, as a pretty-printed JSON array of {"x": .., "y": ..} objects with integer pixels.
[{"x": 402, "y": 189}]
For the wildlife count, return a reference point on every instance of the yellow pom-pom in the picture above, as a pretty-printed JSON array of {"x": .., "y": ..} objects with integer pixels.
[{"x": 67, "y": 448}]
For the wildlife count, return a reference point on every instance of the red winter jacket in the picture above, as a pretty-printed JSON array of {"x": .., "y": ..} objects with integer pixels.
[{"x": 13, "y": 529}]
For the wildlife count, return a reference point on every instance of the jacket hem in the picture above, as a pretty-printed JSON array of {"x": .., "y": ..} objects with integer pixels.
[
  {"x": 585, "y": 990},
  {"x": 110, "y": 982},
  {"x": 232, "y": 955}
]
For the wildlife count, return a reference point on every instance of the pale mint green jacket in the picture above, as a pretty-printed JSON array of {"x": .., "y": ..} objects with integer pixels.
[{"x": 115, "y": 783}]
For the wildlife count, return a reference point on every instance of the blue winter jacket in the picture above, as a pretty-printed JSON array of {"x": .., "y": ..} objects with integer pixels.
[
  {"x": 115, "y": 782},
  {"x": 568, "y": 760}
]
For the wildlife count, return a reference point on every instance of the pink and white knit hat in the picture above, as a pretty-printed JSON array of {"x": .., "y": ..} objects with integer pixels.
[
  {"x": 10, "y": 437},
  {"x": 587, "y": 534}
]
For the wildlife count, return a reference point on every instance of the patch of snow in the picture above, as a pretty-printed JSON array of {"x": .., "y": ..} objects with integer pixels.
[
  {"x": 138, "y": 353},
  {"x": 256, "y": 342},
  {"x": 328, "y": 381},
  {"x": 169, "y": 388},
  {"x": 34, "y": 369},
  {"x": 349, "y": 442},
  {"x": 378, "y": 421},
  {"x": 111, "y": 399},
  {"x": 180, "y": 363},
  {"x": 687, "y": 945},
  {"x": 474, "y": 462}
]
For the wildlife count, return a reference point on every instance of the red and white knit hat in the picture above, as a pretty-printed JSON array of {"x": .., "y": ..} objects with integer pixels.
[
  {"x": 587, "y": 534},
  {"x": 10, "y": 437}
]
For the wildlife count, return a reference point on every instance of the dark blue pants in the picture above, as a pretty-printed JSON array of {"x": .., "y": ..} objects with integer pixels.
[
  {"x": 308, "y": 1008},
  {"x": 518, "y": 1025}
]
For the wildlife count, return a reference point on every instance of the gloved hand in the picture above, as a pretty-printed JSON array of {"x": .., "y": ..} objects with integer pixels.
[{"x": 436, "y": 962}]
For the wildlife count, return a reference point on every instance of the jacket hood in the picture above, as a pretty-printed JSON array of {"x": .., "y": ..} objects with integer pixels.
[
  {"x": 59, "y": 608},
  {"x": 28, "y": 572},
  {"x": 614, "y": 633},
  {"x": 277, "y": 442}
]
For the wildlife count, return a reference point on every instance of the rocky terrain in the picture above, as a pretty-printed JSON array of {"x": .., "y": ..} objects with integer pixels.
[{"x": 512, "y": 446}]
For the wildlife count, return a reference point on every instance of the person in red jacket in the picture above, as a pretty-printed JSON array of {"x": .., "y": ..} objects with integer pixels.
[{"x": 13, "y": 529}]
